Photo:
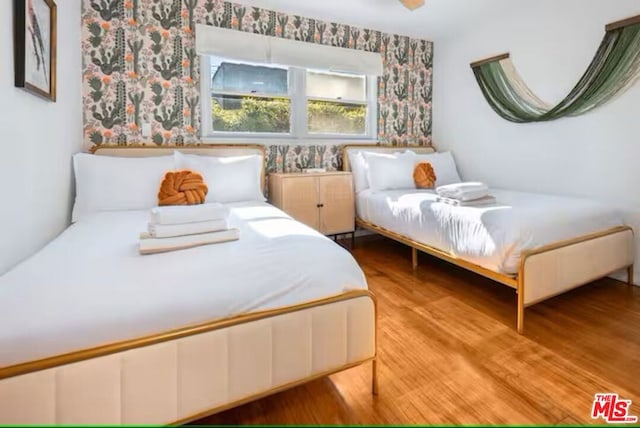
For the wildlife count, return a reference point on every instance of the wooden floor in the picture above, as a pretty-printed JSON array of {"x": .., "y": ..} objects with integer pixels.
[{"x": 449, "y": 353}]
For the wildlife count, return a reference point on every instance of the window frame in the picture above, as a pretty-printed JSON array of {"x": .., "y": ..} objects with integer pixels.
[{"x": 298, "y": 117}]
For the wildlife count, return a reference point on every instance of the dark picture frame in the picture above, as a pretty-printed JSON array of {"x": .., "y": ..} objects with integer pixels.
[{"x": 35, "y": 46}]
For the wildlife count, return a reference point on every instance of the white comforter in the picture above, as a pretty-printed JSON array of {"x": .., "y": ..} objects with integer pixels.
[
  {"x": 490, "y": 236},
  {"x": 91, "y": 287}
]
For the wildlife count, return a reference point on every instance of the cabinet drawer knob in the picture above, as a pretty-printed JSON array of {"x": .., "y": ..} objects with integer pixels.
[{"x": 320, "y": 205}]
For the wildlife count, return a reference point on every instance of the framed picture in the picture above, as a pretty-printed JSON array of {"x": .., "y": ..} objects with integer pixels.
[{"x": 34, "y": 44}]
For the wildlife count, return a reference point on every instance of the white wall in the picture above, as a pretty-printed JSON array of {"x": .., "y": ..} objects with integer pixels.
[
  {"x": 551, "y": 43},
  {"x": 37, "y": 138}
]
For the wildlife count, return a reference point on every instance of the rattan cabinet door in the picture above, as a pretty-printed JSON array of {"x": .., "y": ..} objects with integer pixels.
[
  {"x": 300, "y": 199},
  {"x": 336, "y": 204}
]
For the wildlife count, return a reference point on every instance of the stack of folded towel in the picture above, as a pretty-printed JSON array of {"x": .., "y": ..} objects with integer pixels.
[
  {"x": 468, "y": 194},
  {"x": 179, "y": 227}
]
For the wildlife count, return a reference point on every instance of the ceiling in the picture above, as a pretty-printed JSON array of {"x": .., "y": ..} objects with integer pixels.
[
  {"x": 435, "y": 20},
  {"x": 438, "y": 20}
]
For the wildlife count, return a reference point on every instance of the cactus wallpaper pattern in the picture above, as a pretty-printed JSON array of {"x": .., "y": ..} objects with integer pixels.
[{"x": 140, "y": 65}]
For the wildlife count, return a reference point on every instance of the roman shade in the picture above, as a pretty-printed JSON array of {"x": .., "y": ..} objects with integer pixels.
[{"x": 263, "y": 49}]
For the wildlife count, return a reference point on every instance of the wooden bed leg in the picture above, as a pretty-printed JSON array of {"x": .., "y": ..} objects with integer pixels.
[
  {"x": 374, "y": 377},
  {"x": 520, "y": 325},
  {"x": 414, "y": 258},
  {"x": 630, "y": 275}
]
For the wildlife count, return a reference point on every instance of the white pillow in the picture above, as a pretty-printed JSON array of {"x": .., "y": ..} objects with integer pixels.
[
  {"x": 443, "y": 165},
  {"x": 230, "y": 179},
  {"x": 358, "y": 171},
  {"x": 390, "y": 171},
  {"x": 110, "y": 183}
]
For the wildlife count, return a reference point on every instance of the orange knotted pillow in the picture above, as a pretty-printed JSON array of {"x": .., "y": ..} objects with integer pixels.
[
  {"x": 424, "y": 176},
  {"x": 182, "y": 188}
]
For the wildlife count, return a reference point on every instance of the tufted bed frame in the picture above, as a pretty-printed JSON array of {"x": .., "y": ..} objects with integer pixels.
[
  {"x": 182, "y": 375},
  {"x": 544, "y": 272}
]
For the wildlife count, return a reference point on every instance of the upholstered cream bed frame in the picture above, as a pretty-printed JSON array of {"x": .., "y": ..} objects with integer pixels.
[
  {"x": 185, "y": 374},
  {"x": 543, "y": 272}
]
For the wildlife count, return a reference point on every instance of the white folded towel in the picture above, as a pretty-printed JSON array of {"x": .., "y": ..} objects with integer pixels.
[
  {"x": 171, "y": 230},
  {"x": 463, "y": 191},
  {"x": 480, "y": 202},
  {"x": 188, "y": 213},
  {"x": 149, "y": 245}
]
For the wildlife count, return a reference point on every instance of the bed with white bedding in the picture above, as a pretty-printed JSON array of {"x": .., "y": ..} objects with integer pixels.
[
  {"x": 112, "y": 293},
  {"x": 540, "y": 245},
  {"x": 493, "y": 236},
  {"x": 93, "y": 332}
]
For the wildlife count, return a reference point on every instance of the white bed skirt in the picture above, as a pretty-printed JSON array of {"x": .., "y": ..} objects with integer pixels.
[{"x": 190, "y": 377}]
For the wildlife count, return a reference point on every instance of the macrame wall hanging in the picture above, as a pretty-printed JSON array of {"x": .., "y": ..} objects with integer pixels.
[{"x": 615, "y": 67}]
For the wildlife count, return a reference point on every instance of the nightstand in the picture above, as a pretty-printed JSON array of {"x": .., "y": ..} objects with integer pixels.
[{"x": 321, "y": 200}]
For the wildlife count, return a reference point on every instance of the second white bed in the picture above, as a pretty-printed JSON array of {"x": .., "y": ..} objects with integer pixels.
[{"x": 491, "y": 236}]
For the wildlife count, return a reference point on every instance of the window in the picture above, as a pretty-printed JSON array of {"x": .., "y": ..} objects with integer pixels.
[
  {"x": 247, "y": 100},
  {"x": 336, "y": 103}
]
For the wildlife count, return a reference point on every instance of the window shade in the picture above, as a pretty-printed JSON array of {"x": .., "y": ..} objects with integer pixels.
[
  {"x": 234, "y": 44},
  {"x": 246, "y": 46}
]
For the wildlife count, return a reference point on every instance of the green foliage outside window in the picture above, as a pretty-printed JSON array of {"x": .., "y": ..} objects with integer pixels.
[
  {"x": 325, "y": 117},
  {"x": 248, "y": 114},
  {"x": 253, "y": 115}
]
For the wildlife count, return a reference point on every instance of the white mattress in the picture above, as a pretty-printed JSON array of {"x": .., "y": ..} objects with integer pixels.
[
  {"x": 491, "y": 236},
  {"x": 91, "y": 287}
]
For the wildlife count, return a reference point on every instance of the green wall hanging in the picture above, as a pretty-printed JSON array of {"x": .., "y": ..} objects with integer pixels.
[{"x": 615, "y": 67}]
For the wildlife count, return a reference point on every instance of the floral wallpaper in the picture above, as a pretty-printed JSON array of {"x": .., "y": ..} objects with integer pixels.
[{"x": 140, "y": 66}]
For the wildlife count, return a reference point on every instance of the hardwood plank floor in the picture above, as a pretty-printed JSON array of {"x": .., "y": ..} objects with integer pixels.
[{"x": 449, "y": 353}]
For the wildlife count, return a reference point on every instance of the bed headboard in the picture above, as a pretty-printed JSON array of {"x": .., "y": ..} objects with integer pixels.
[
  {"x": 221, "y": 150},
  {"x": 380, "y": 149}
]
